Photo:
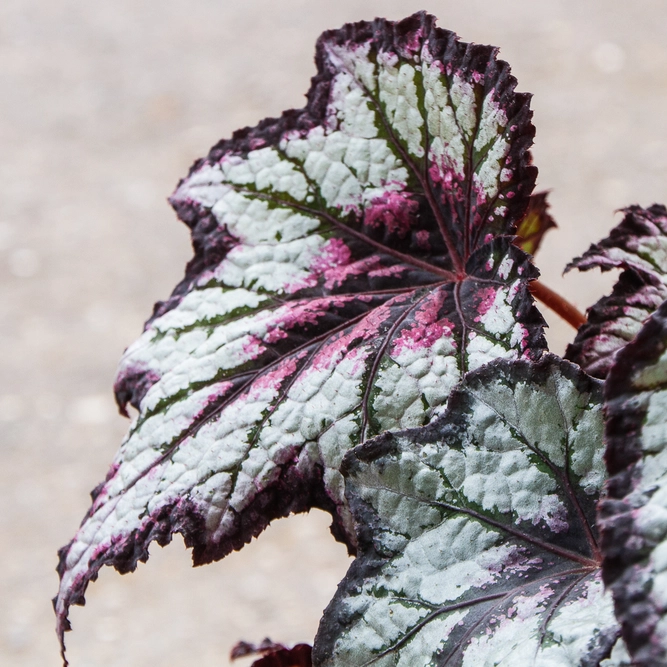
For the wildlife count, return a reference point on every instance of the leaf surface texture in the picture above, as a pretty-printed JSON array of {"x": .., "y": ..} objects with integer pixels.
[
  {"x": 634, "y": 515},
  {"x": 353, "y": 259},
  {"x": 477, "y": 539}
]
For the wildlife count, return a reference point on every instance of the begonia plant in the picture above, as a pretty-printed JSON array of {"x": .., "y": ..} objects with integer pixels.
[{"x": 358, "y": 332}]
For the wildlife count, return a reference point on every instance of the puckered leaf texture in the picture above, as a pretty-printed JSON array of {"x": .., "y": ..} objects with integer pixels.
[
  {"x": 638, "y": 245},
  {"x": 634, "y": 515},
  {"x": 353, "y": 259},
  {"x": 477, "y": 543}
]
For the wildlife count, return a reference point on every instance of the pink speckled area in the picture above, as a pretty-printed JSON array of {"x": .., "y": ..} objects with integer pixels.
[
  {"x": 395, "y": 212},
  {"x": 487, "y": 296},
  {"x": 103, "y": 108},
  {"x": 274, "y": 379},
  {"x": 426, "y": 328},
  {"x": 366, "y": 331}
]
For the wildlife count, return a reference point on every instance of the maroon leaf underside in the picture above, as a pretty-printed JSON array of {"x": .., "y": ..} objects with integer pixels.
[
  {"x": 274, "y": 655},
  {"x": 615, "y": 319},
  {"x": 299, "y": 656},
  {"x": 242, "y": 649},
  {"x": 625, "y": 545},
  {"x": 391, "y": 277}
]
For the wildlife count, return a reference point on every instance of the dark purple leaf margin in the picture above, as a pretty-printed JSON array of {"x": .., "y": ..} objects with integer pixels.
[{"x": 632, "y": 523}]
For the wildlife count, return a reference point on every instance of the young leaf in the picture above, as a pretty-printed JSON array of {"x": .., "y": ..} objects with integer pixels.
[
  {"x": 477, "y": 543},
  {"x": 353, "y": 259},
  {"x": 535, "y": 224},
  {"x": 634, "y": 515},
  {"x": 274, "y": 655},
  {"x": 298, "y": 656},
  {"x": 638, "y": 245}
]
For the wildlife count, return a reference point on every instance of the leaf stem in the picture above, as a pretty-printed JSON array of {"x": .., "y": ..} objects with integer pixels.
[{"x": 557, "y": 303}]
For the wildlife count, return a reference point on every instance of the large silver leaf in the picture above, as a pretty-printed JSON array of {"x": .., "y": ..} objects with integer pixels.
[
  {"x": 477, "y": 533},
  {"x": 353, "y": 260}
]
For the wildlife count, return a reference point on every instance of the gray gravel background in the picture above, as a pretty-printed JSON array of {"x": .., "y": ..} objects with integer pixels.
[{"x": 103, "y": 106}]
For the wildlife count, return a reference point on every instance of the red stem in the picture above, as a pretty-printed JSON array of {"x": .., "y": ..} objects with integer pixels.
[{"x": 557, "y": 303}]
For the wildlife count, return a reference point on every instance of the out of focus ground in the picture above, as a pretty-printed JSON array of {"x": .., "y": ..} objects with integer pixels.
[{"x": 103, "y": 106}]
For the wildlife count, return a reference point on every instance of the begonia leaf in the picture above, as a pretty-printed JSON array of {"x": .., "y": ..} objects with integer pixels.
[
  {"x": 274, "y": 655},
  {"x": 535, "y": 224},
  {"x": 477, "y": 539},
  {"x": 297, "y": 656},
  {"x": 638, "y": 245},
  {"x": 242, "y": 649},
  {"x": 353, "y": 259},
  {"x": 633, "y": 518}
]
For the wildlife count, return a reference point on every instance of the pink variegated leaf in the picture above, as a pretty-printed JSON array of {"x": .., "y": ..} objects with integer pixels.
[
  {"x": 477, "y": 539},
  {"x": 353, "y": 259},
  {"x": 639, "y": 246}
]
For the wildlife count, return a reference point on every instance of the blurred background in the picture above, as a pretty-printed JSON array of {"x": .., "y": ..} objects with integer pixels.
[{"x": 103, "y": 107}]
